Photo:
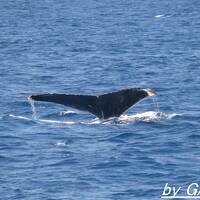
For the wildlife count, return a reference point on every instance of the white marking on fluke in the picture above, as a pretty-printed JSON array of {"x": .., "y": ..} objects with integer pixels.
[{"x": 150, "y": 92}]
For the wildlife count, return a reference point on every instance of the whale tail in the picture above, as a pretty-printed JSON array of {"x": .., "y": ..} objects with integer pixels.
[{"x": 104, "y": 106}]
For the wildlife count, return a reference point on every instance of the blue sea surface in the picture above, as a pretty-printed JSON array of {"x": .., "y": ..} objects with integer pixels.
[{"x": 95, "y": 47}]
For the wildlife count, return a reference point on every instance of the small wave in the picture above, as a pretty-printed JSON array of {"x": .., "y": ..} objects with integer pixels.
[
  {"x": 163, "y": 16},
  {"x": 149, "y": 116},
  {"x": 159, "y": 16},
  {"x": 194, "y": 136},
  {"x": 61, "y": 143}
]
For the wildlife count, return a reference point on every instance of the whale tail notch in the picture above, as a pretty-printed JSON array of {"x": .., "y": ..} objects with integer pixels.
[{"x": 104, "y": 106}]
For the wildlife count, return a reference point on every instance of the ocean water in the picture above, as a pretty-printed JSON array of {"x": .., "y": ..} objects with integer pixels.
[{"x": 94, "y": 47}]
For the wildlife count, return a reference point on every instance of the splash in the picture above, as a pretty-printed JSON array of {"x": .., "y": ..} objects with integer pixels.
[{"x": 150, "y": 116}]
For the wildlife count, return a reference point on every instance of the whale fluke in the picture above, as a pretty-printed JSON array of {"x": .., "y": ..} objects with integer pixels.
[{"x": 104, "y": 106}]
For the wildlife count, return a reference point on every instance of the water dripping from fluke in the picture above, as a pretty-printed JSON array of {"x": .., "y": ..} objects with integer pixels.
[
  {"x": 32, "y": 103},
  {"x": 155, "y": 102}
]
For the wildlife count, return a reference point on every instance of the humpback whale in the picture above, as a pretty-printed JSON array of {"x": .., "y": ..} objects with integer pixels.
[{"x": 104, "y": 106}]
